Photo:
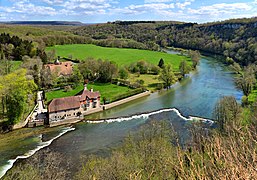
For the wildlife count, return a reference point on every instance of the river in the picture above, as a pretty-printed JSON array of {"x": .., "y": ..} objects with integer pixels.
[{"x": 194, "y": 96}]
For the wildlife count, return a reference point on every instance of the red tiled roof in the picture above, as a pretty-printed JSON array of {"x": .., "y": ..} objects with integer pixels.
[
  {"x": 64, "y": 68},
  {"x": 62, "y": 104},
  {"x": 87, "y": 93}
]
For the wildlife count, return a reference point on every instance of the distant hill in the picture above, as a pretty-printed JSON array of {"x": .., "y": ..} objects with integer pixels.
[{"x": 48, "y": 23}]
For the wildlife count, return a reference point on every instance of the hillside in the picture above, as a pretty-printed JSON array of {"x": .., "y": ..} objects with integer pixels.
[{"x": 235, "y": 38}]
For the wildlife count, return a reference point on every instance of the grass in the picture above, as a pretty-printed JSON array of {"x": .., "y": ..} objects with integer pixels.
[
  {"x": 121, "y": 56},
  {"x": 150, "y": 81},
  {"x": 61, "y": 93},
  {"x": 108, "y": 90}
]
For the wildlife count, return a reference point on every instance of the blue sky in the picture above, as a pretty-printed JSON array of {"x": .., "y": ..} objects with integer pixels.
[{"x": 97, "y": 11}]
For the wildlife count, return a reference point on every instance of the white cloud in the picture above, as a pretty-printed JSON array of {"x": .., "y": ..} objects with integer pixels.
[
  {"x": 3, "y": 16},
  {"x": 183, "y": 5},
  {"x": 144, "y": 8},
  {"x": 157, "y": 1},
  {"x": 88, "y": 6},
  {"x": 25, "y": 7},
  {"x": 221, "y": 9},
  {"x": 53, "y": 2}
]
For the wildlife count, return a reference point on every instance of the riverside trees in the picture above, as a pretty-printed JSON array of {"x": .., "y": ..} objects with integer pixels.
[
  {"x": 184, "y": 68},
  {"x": 167, "y": 76},
  {"x": 247, "y": 80},
  {"x": 226, "y": 112}
]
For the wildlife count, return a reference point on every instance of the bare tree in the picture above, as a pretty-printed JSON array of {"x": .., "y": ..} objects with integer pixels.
[{"x": 226, "y": 112}]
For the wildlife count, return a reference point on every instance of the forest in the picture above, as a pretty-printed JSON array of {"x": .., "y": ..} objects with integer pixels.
[{"x": 234, "y": 38}]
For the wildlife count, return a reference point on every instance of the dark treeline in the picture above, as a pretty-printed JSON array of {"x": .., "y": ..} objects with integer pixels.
[
  {"x": 131, "y": 22},
  {"x": 234, "y": 38},
  {"x": 12, "y": 47}
]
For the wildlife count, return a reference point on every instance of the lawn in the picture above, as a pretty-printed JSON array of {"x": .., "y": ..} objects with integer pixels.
[
  {"x": 150, "y": 81},
  {"x": 121, "y": 56},
  {"x": 61, "y": 93},
  {"x": 108, "y": 90}
]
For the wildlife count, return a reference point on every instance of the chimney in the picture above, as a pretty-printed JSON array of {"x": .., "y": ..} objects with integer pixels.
[{"x": 85, "y": 86}]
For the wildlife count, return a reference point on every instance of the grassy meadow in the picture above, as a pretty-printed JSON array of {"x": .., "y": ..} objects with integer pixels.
[
  {"x": 121, "y": 56},
  {"x": 108, "y": 90}
]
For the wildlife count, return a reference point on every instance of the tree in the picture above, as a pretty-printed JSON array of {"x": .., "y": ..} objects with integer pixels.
[
  {"x": 236, "y": 68},
  {"x": 16, "y": 87},
  {"x": 41, "y": 53},
  {"x": 123, "y": 73},
  {"x": 226, "y": 112},
  {"x": 155, "y": 69},
  {"x": 143, "y": 67},
  {"x": 76, "y": 76},
  {"x": 184, "y": 68},
  {"x": 5, "y": 66},
  {"x": 47, "y": 78},
  {"x": 161, "y": 63},
  {"x": 107, "y": 71},
  {"x": 246, "y": 81},
  {"x": 34, "y": 67},
  {"x": 195, "y": 56},
  {"x": 51, "y": 55},
  {"x": 90, "y": 69},
  {"x": 230, "y": 60},
  {"x": 167, "y": 76}
]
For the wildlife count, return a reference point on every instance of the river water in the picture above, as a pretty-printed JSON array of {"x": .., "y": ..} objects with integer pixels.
[{"x": 194, "y": 96}]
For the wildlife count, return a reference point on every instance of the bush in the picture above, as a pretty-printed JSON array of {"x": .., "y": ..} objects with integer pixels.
[
  {"x": 244, "y": 101},
  {"x": 123, "y": 73}
]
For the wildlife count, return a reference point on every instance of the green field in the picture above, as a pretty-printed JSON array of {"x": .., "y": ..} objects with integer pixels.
[
  {"x": 121, "y": 56},
  {"x": 108, "y": 90}
]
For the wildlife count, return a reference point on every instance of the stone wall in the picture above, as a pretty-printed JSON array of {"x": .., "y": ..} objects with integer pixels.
[
  {"x": 123, "y": 101},
  {"x": 62, "y": 115}
]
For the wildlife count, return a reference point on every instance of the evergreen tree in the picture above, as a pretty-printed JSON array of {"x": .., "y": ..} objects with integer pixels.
[{"x": 161, "y": 63}]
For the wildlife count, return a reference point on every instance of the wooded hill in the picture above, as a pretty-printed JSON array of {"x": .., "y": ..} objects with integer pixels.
[{"x": 234, "y": 38}]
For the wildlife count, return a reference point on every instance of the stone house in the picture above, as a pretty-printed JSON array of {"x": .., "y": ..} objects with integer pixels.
[{"x": 73, "y": 107}]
